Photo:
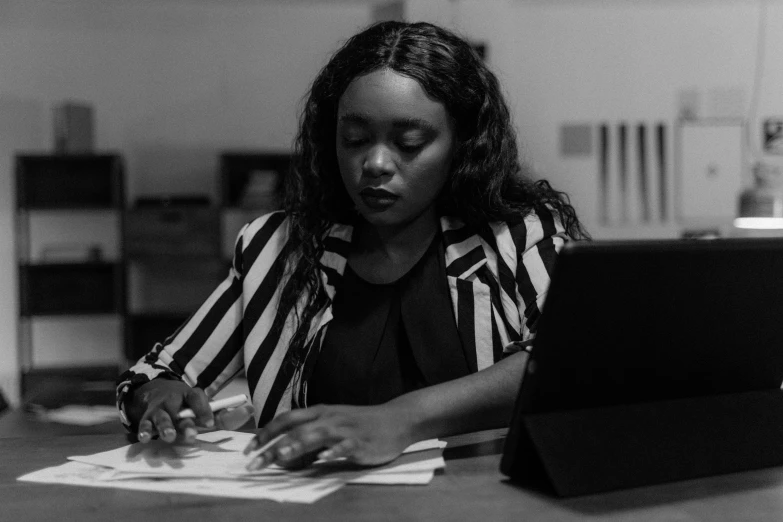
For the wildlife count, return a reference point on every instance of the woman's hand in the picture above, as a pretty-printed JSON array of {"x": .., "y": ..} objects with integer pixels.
[
  {"x": 156, "y": 404},
  {"x": 367, "y": 435},
  {"x": 372, "y": 435}
]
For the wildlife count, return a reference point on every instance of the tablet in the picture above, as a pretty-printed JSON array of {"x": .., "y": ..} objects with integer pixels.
[{"x": 637, "y": 321}]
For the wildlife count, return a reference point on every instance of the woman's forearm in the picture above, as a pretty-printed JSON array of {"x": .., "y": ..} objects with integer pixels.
[
  {"x": 478, "y": 401},
  {"x": 374, "y": 435}
]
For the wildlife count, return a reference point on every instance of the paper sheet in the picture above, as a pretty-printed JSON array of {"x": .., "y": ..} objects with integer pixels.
[
  {"x": 215, "y": 454},
  {"x": 290, "y": 490},
  {"x": 215, "y": 466}
]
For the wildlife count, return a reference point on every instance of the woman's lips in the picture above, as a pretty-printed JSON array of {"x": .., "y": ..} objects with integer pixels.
[{"x": 377, "y": 199}]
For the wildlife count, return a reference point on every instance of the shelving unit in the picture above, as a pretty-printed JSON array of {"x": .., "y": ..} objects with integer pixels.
[
  {"x": 250, "y": 185},
  {"x": 178, "y": 249},
  {"x": 69, "y": 223},
  {"x": 99, "y": 284},
  {"x": 172, "y": 247}
]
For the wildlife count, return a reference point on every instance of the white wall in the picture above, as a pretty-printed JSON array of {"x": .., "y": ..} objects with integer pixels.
[
  {"x": 591, "y": 61},
  {"x": 172, "y": 83},
  {"x": 20, "y": 127}
]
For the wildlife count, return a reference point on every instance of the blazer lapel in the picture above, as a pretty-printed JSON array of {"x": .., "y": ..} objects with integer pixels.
[
  {"x": 337, "y": 244},
  {"x": 470, "y": 298},
  {"x": 464, "y": 255}
]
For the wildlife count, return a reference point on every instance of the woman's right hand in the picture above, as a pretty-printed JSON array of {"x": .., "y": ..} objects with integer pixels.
[
  {"x": 154, "y": 407},
  {"x": 156, "y": 404}
]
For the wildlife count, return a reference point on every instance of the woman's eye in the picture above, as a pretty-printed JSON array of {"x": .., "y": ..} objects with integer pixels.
[
  {"x": 353, "y": 141},
  {"x": 411, "y": 145}
]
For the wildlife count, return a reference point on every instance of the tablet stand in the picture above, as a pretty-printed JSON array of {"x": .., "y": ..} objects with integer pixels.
[{"x": 585, "y": 451}]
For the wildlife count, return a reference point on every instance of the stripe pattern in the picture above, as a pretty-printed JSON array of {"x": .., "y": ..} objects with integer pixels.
[{"x": 498, "y": 277}]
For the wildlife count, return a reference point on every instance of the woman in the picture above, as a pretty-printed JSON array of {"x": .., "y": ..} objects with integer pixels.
[{"x": 395, "y": 297}]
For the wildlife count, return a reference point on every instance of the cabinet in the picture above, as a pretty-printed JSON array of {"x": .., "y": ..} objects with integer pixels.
[
  {"x": 173, "y": 261},
  {"x": 250, "y": 185},
  {"x": 69, "y": 226},
  {"x": 179, "y": 248}
]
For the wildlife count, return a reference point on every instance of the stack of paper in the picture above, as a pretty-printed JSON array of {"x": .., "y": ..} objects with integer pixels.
[{"x": 215, "y": 465}]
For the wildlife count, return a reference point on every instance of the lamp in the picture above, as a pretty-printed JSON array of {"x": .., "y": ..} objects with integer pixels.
[{"x": 761, "y": 206}]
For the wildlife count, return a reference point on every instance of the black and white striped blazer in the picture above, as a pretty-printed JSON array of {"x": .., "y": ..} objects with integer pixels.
[{"x": 498, "y": 277}]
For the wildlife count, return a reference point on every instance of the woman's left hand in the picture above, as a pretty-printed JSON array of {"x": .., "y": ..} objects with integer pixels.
[{"x": 366, "y": 435}]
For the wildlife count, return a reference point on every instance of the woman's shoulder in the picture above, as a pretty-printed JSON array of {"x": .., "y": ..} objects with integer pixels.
[
  {"x": 272, "y": 226},
  {"x": 275, "y": 226},
  {"x": 538, "y": 225},
  {"x": 256, "y": 235},
  {"x": 520, "y": 234},
  {"x": 275, "y": 220}
]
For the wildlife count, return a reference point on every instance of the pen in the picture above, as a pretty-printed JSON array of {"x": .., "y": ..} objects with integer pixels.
[
  {"x": 220, "y": 404},
  {"x": 262, "y": 462}
]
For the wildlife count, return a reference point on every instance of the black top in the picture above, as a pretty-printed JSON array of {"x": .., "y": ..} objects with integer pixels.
[{"x": 388, "y": 339}]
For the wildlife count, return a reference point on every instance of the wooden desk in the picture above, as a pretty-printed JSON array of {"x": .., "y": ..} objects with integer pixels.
[
  {"x": 471, "y": 488},
  {"x": 18, "y": 423}
]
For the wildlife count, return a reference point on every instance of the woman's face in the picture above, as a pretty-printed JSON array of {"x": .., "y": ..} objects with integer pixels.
[{"x": 394, "y": 147}]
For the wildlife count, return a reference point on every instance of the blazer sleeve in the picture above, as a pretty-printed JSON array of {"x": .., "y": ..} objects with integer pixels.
[
  {"x": 538, "y": 239},
  {"x": 205, "y": 351}
]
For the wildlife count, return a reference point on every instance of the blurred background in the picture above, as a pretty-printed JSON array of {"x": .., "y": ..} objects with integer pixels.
[{"x": 653, "y": 115}]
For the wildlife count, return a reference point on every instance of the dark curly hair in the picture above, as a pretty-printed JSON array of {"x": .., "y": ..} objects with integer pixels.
[{"x": 487, "y": 182}]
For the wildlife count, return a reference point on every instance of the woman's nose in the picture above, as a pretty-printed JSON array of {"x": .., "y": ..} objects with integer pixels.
[{"x": 379, "y": 161}]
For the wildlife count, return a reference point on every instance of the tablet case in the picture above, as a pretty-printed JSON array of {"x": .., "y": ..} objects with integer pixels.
[
  {"x": 654, "y": 362},
  {"x": 594, "y": 450}
]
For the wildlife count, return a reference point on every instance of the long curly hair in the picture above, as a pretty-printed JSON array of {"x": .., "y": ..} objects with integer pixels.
[{"x": 487, "y": 182}]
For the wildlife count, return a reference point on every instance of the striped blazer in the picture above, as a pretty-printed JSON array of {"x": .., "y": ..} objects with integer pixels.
[{"x": 498, "y": 277}]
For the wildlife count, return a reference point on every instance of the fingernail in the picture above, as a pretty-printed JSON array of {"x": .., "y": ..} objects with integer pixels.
[
  {"x": 210, "y": 423},
  {"x": 251, "y": 447},
  {"x": 169, "y": 433},
  {"x": 144, "y": 436},
  {"x": 326, "y": 454},
  {"x": 256, "y": 463},
  {"x": 284, "y": 451},
  {"x": 190, "y": 433}
]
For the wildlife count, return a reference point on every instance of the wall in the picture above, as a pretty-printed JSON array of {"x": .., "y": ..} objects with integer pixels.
[
  {"x": 590, "y": 61},
  {"x": 172, "y": 83},
  {"x": 20, "y": 127}
]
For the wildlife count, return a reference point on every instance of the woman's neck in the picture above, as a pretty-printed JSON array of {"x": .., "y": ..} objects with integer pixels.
[
  {"x": 383, "y": 254},
  {"x": 398, "y": 239}
]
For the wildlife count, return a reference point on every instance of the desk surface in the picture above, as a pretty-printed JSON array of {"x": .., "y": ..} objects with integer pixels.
[
  {"x": 18, "y": 423},
  {"x": 470, "y": 488}
]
